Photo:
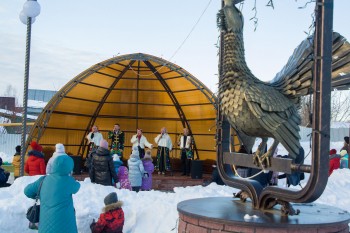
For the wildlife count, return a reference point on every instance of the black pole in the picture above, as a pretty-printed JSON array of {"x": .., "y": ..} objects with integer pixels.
[
  {"x": 322, "y": 74},
  {"x": 25, "y": 96}
]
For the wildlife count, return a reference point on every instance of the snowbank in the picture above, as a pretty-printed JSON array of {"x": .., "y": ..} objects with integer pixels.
[
  {"x": 152, "y": 211},
  {"x": 6, "y": 157},
  {"x": 145, "y": 212}
]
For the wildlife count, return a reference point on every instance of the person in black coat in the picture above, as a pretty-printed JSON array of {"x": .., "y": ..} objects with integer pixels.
[
  {"x": 4, "y": 176},
  {"x": 102, "y": 168}
]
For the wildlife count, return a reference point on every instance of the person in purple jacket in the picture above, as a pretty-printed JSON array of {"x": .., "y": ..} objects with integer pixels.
[
  {"x": 149, "y": 168},
  {"x": 123, "y": 175}
]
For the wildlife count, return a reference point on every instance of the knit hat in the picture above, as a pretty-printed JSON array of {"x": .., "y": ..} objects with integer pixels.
[
  {"x": 60, "y": 148},
  {"x": 135, "y": 151},
  {"x": 343, "y": 152},
  {"x": 36, "y": 146},
  {"x": 18, "y": 149},
  {"x": 332, "y": 152},
  {"x": 346, "y": 139},
  {"x": 111, "y": 198},
  {"x": 147, "y": 155},
  {"x": 104, "y": 144}
]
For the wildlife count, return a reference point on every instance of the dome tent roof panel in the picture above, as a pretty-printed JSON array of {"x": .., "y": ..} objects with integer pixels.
[
  {"x": 136, "y": 91},
  {"x": 173, "y": 126},
  {"x": 150, "y": 85},
  {"x": 193, "y": 111},
  {"x": 87, "y": 92},
  {"x": 68, "y": 121},
  {"x": 170, "y": 75},
  {"x": 77, "y": 106},
  {"x": 162, "y": 111},
  {"x": 127, "y": 83},
  {"x": 191, "y": 97},
  {"x": 115, "y": 66},
  {"x": 99, "y": 80},
  {"x": 185, "y": 85},
  {"x": 121, "y": 96},
  {"x": 155, "y": 97},
  {"x": 118, "y": 109},
  {"x": 206, "y": 127},
  {"x": 106, "y": 124}
]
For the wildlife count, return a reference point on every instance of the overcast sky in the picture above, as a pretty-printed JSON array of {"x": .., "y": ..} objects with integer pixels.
[{"x": 70, "y": 36}]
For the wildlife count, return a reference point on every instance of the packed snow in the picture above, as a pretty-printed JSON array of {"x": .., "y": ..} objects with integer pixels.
[
  {"x": 152, "y": 211},
  {"x": 8, "y": 112},
  {"x": 145, "y": 212},
  {"x": 36, "y": 104}
]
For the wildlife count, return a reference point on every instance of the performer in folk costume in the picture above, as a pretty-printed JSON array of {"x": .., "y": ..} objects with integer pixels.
[
  {"x": 117, "y": 144},
  {"x": 140, "y": 141},
  {"x": 185, "y": 143},
  {"x": 165, "y": 145},
  {"x": 94, "y": 138}
]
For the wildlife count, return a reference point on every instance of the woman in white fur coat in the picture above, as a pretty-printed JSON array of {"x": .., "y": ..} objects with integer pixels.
[{"x": 140, "y": 141}]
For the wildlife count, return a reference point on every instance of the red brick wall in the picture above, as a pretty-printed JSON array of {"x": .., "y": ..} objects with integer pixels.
[{"x": 189, "y": 224}]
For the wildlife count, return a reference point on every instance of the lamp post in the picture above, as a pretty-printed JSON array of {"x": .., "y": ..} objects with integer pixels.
[{"x": 31, "y": 9}]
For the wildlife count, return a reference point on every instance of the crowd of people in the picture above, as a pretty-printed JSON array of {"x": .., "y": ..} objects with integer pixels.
[
  {"x": 140, "y": 142},
  {"x": 106, "y": 166},
  {"x": 340, "y": 160},
  {"x": 55, "y": 188}
]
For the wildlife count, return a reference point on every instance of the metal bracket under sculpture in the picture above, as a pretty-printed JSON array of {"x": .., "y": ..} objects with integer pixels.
[{"x": 259, "y": 109}]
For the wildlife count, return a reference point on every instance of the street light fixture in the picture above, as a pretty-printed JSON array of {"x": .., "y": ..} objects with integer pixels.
[{"x": 31, "y": 9}]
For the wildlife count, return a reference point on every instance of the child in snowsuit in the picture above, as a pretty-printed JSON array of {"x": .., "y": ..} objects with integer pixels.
[
  {"x": 123, "y": 175},
  {"x": 112, "y": 217},
  {"x": 149, "y": 168},
  {"x": 334, "y": 161},
  {"x": 117, "y": 162},
  {"x": 136, "y": 170},
  {"x": 35, "y": 164},
  {"x": 344, "y": 159}
]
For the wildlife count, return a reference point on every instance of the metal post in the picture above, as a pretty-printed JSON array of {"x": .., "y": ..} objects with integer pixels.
[
  {"x": 322, "y": 90},
  {"x": 25, "y": 96}
]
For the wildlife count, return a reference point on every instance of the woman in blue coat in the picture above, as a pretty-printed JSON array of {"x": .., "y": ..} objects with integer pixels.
[{"x": 57, "y": 212}]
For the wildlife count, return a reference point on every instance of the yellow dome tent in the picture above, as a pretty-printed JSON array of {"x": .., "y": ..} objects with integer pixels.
[{"x": 135, "y": 91}]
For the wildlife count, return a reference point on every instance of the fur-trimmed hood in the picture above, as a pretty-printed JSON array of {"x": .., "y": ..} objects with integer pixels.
[
  {"x": 36, "y": 153},
  {"x": 112, "y": 206},
  {"x": 334, "y": 156}
]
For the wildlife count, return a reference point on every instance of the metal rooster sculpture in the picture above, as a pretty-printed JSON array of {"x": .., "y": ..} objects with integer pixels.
[{"x": 259, "y": 109}]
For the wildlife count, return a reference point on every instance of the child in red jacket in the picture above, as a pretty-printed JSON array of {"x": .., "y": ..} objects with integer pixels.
[
  {"x": 35, "y": 164},
  {"x": 112, "y": 218},
  {"x": 334, "y": 161}
]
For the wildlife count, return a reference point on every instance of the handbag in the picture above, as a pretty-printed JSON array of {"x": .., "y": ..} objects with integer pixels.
[{"x": 33, "y": 213}]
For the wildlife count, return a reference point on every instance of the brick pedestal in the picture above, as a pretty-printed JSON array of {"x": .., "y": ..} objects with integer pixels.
[{"x": 214, "y": 215}]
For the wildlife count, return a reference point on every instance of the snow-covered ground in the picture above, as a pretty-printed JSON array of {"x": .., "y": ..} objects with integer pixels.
[
  {"x": 145, "y": 212},
  {"x": 36, "y": 104},
  {"x": 148, "y": 212}
]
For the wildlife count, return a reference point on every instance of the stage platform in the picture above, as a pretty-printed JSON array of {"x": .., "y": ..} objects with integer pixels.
[{"x": 165, "y": 182}]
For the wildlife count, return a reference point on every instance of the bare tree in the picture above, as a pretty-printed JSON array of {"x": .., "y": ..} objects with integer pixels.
[
  {"x": 305, "y": 110},
  {"x": 340, "y": 106}
]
